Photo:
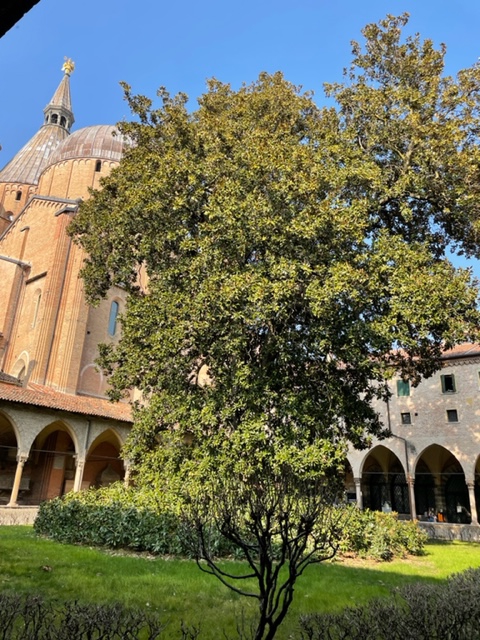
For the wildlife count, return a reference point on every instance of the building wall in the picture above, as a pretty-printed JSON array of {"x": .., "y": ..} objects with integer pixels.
[{"x": 434, "y": 457}]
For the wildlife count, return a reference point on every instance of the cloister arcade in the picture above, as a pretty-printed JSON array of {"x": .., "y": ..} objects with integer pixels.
[
  {"x": 53, "y": 455},
  {"x": 431, "y": 485}
]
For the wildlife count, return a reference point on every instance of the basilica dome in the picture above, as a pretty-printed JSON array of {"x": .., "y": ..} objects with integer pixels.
[{"x": 100, "y": 141}]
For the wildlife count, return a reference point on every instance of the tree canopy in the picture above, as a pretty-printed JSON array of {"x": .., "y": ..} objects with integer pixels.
[{"x": 296, "y": 256}]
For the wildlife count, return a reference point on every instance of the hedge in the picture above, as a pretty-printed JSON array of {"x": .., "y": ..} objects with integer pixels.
[{"x": 125, "y": 518}]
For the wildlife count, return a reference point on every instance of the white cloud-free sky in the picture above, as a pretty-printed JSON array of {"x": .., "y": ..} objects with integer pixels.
[{"x": 179, "y": 44}]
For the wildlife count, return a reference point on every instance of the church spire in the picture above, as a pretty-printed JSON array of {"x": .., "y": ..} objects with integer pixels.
[
  {"x": 31, "y": 160},
  {"x": 59, "y": 110}
]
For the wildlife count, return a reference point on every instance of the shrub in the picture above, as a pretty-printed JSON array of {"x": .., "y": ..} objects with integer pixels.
[
  {"x": 30, "y": 618},
  {"x": 381, "y": 536},
  {"x": 120, "y": 517},
  {"x": 417, "y": 612}
]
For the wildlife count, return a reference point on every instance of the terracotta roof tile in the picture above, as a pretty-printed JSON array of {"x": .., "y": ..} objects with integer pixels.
[
  {"x": 464, "y": 350},
  {"x": 45, "y": 397}
]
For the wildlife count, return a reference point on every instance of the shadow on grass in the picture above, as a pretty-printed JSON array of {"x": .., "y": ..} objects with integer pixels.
[{"x": 177, "y": 590}]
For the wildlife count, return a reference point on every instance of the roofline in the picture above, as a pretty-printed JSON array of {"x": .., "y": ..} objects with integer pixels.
[
  {"x": 60, "y": 410},
  {"x": 470, "y": 353}
]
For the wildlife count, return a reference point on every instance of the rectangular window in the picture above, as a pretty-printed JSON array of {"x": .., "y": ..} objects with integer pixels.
[
  {"x": 448, "y": 383},
  {"x": 452, "y": 415},
  {"x": 403, "y": 388},
  {"x": 406, "y": 418}
]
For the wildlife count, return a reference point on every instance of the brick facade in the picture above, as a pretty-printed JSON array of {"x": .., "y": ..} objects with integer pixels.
[{"x": 58, "y": 431}]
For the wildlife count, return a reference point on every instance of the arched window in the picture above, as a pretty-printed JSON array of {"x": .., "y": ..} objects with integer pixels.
[
  {"x": 54, "y": 119},
  {"x": 112, "y": 320},
  {"x": 98, "y": 165},
  {"x": 63, "y": 121}
]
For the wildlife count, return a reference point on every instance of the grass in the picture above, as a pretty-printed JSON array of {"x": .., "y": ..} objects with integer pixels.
[{"x": 177, "y": 590}]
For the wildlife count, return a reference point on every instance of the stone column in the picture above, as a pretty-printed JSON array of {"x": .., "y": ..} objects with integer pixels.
[
  {"x": 126, "y": 479},
  {"x": 411, "y": 495},
  {"x": 473, "y": 504},
  {"x": 358, "y": 492},
  {"x": 21, "y": 460},
  {"x": 77, "y": 483}
]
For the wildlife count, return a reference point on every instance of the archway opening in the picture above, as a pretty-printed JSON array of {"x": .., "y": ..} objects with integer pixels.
[
  {"x": 8, "y": 460},
  {"x": 441, "y": 493},
  {"x": 103, "y": 465},
  {"x": 384, "y": 486},
  {"x": 350, "y": 493},
  {"x": 51, "y": 463}
]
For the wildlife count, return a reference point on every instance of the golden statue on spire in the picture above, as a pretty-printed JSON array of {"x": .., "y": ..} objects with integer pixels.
[{"x": 68, "y": 66}]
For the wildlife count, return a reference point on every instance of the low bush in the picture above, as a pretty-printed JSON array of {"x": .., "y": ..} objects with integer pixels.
[
  {"x": 417, "y": 612},
  {"x": 31, "y": 618},
  {"x": 117, "y": 517}
]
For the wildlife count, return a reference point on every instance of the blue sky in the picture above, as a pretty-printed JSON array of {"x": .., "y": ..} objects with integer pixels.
[{"x": 180, "y": 44}]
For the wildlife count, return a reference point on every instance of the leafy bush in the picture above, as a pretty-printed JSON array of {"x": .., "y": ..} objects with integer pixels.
[
  {"x": 381, "y": 536},
  {"x": 418, "y": 612},
  {"x": 118, "y": 517}
]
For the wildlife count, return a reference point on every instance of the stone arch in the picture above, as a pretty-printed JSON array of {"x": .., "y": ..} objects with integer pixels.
[
  {"x": 51, "y": 461},
  {"x": 441, "y": 491},
  {"x": 104, "y": 464},
  {"x": 384, "y": 485}
]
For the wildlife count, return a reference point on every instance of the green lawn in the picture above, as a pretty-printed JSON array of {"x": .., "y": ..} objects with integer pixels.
[{"x": 177, "y": 590}]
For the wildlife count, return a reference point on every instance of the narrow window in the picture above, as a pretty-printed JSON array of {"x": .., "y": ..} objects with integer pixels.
[
  {"x": 403, "y": 388},
  {"x": 63, "y": 121},
  {"x": 452, "y": 415},
  {"x": 18, "y": 195},
  {"x": 448, "y": 383},
  {"x": 112, "y": 321},
  {"x": 98, "y": 165},
  {"x": 54, "y": 118},
  {"x": 406, "y": 418}
]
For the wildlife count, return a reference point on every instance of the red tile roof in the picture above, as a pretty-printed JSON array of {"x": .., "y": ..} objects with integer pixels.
[
  {"x": 41, "y": 396},
  {"x": 464, "y": 350}
]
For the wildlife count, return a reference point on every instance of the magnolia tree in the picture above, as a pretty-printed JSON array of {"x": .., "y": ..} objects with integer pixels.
[{"x": 288, "y": 248}]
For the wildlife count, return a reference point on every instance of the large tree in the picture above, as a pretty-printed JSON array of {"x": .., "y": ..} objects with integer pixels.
[
  {"x": 12, "y": 11},
  {"x": 296, "y": 258}
]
